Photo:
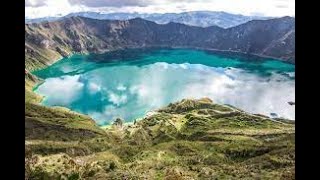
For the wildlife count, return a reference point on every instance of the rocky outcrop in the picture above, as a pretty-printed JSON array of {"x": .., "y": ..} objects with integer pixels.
[{"x": 53, "y": 40}]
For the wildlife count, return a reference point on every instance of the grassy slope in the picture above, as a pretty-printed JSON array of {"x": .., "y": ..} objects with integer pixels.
[
  {"x": 46, "y": 123},
  {"x": 191, "y": 139}
]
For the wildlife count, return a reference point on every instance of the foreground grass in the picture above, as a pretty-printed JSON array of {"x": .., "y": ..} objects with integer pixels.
[{"x": 191, "y": 139}]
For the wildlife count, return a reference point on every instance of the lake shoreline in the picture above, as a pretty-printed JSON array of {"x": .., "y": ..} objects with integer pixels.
[
  {"x": 218, "y": 51},
  {"x": 125, "y": 68}
]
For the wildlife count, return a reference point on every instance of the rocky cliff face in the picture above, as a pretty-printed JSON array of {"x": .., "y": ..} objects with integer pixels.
[{"x": 51, "y": 40}]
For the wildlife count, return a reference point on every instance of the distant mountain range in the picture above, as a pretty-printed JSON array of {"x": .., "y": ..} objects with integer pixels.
[{"x": 194, "y": 18}]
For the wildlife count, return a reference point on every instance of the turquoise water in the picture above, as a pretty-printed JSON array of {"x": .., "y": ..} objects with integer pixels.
[{"x": 130, "y": 83}]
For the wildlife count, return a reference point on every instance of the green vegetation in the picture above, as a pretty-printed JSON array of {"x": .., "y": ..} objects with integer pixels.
[
  {"x": 190, "y": 139},
  {"x": 57, "y": 123}
]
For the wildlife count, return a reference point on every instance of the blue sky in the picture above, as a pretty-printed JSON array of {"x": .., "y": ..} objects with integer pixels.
[{"x": 43, "y": 8}]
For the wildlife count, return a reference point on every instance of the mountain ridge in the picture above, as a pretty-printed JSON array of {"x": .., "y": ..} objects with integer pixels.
[
  {"x": 46, "y": 42},
  {"x": 194, "y": 18}
]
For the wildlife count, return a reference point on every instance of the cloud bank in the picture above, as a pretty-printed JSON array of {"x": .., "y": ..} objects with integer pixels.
[
  {"x": 61, "y": 91},
  {"x": 274, "y": 8},
  {"x": 133, "y": 91},
  {"x": 111, "y": 3},
  {"x": 35, "y": 3}
]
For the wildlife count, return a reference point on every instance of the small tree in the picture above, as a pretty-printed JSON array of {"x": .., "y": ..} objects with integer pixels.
[{"x": 118, "y": 122}]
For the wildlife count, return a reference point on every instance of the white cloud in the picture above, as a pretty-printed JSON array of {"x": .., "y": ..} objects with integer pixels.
[
  {"x": 121, "y": 87},
  {"x": 117, "y": 99},
  {"x": 53, "y": 8},
  {"x": 156, "y": 85},
  {"x": 112, "y": 3},
  {"x": 93, "y": 88},
  {"x": 61, "y": 91},
  {"x": 159, "y": 84},
  {"x": 249, "y": 92},
  {"x": 110, "y": 113},
  {"x": 35, "y": 3},
  {"x": 245, "y": 7}
]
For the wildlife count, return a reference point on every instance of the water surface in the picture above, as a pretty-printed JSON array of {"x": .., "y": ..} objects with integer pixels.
[{"x": 130, "y": 83}]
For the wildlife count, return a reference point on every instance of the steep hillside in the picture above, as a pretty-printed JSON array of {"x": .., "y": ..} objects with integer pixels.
[
  {"x": 49, "y": 41},
  {"x": 190, "y": 139},
  {"x": 54, "y": 123}
]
